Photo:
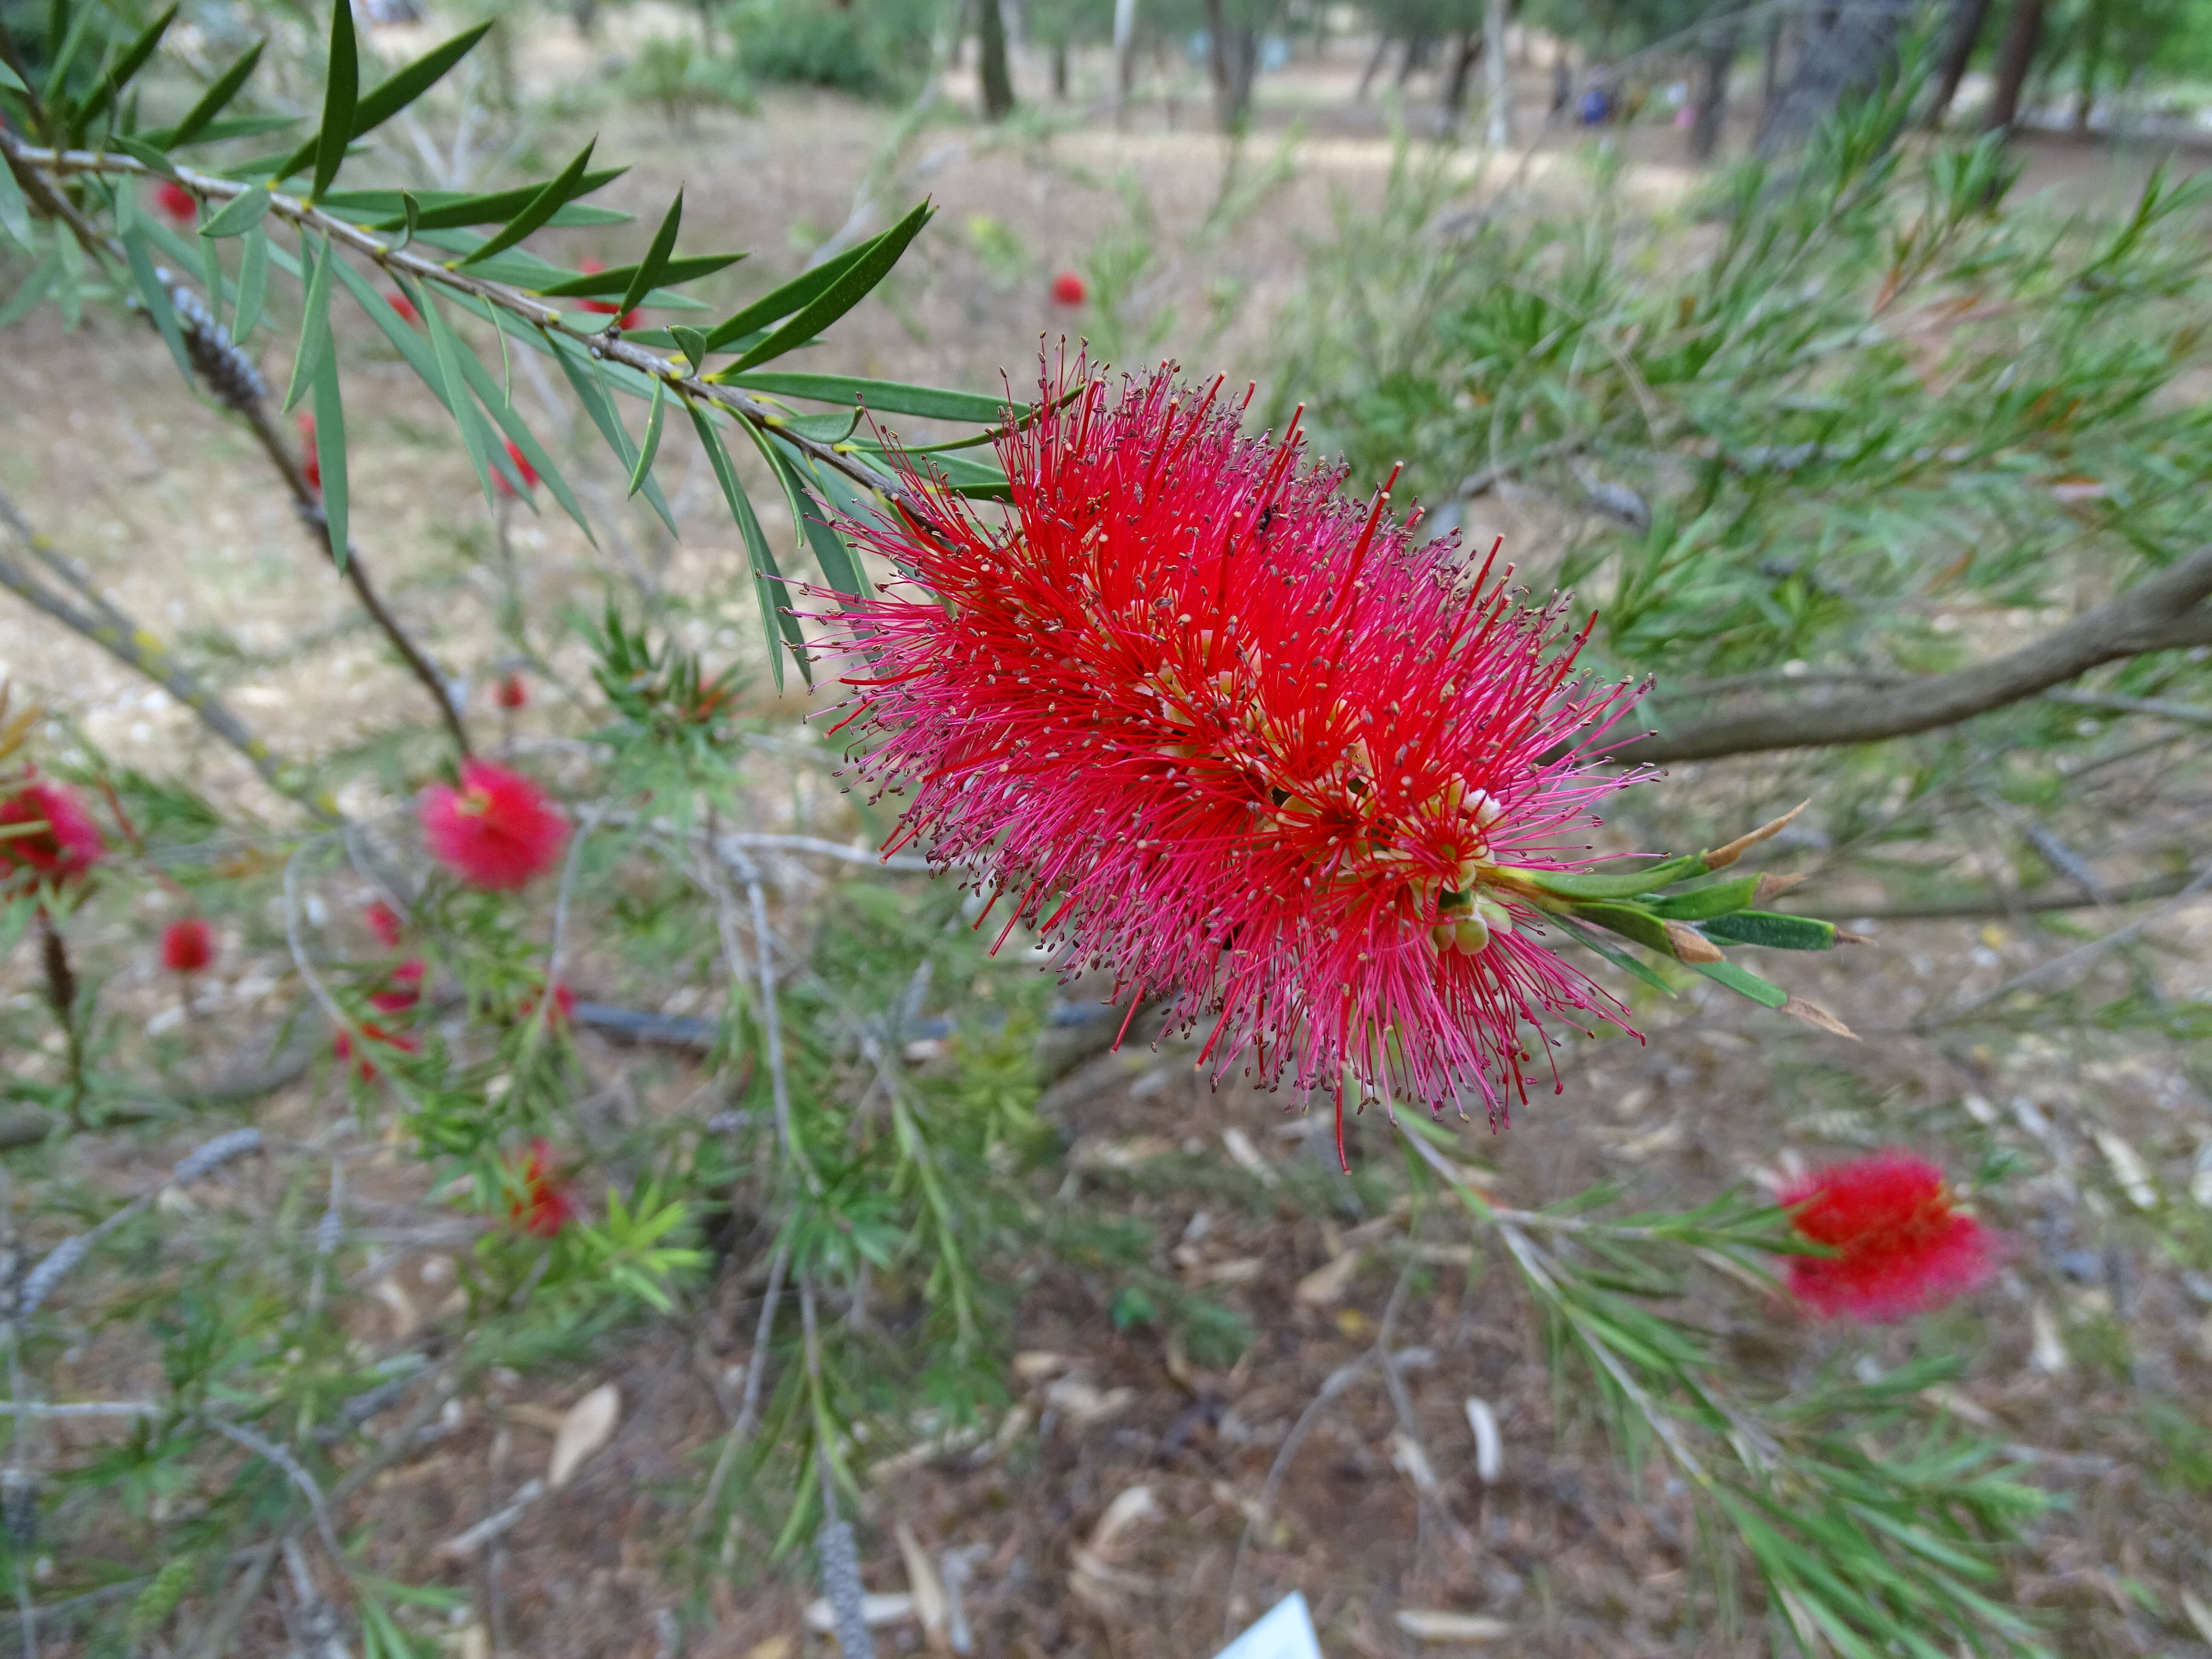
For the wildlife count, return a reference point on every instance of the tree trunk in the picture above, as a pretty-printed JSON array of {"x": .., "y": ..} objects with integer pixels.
[
  {"x": 1964, "y": 30},
  {"x": 1496, "y": 78},
  {"x": 2023, "y": 33},
  {"x": 2093, "y": 61},
  {"x": 1844, "y": 55},
  {"x": 1464, "y": 54},
  {"x": 1233, "y": 55},
  {"x": 1769, "y": 71},
  {"x": 1060, "y": 69},
  {"x": 1563, "y": 79},
  {"x": 1712, "y": 94},
  {"x": 1374, "y": 67},
  {"x": 1416, "y": 58},
  {"x": 1125, "y": 55},
  {"x": 991, "y": 41}
]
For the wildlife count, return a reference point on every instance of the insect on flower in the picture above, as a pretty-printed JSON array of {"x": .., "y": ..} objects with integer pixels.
[
  {"x": 1902, "y": 1246},
  {"x": 497, "y": 831},
  {"x": 538, "y": 1204},
  {"x": 187, "y": 946},
  {"x": 46, "y": 836},
  {"x": 1227, "y": 736}
]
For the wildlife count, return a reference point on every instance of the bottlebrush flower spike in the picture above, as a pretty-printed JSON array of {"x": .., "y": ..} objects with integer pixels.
[
  {"x": 1227, "y": 735},
  {"x": 341, "y": 1047},
  {"x": 384, "y": 922},
  {"x": 539, "y": 1206},
  {"x": 68, "y": 843},
  {"x": 187, "y": 946},
  {"x": 564, "y": 1005},
  {"x": 1903, "y": 1248},
  {"x": 512, "y": 693},
  {"x": 403, "y": 989},
  {"x": 1067, "y": 289},
  {"x": 497, "y": 831},
  {"x": 181, "y": 206}
]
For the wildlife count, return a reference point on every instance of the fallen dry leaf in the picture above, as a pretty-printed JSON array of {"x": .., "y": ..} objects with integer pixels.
[
  {"x": 1429, "y": 1626},
  {"x": 930, "y": 1605},
  {"x": 1127, "y": 1508},
  {"x": 1329, "y": 1282},
  {"x": 1035, "y": 1364},
  {"x": 2129, "y": 1169},
  {"x": 776, "y": 1647},
  {"x": 2199, "y": 1614},
  {"x": 2048, "y": 1355},
  {"x": 1489, "y": 1447},
  {"x": 1239, "y": 1146},
  {"x": 874, "y": 1610},
  {"x": 1083, "y": 1405},
  {"x": 588, "y": 1425}
]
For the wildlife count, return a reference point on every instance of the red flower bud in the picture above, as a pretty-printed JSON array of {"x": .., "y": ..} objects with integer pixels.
[
  {"x": 312, "y": 467},
  {"x": 537, "y": 1205},
  {"x": 523, "y": 469},
  {"x": 405, "y": 306},
  {"x": 604, "y": 307},
  {"x": 511, "y": 693},
  {"x": 403, "y": 989},
  {"x": 1067, "y": 289},
  {"x": 383, "y": 922},
  {"x": 180, "y": 204},
  {"x": 187, "y": 946}
]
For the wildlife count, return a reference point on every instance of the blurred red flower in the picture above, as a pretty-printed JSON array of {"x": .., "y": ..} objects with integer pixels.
[
  {"x": 1221, "y": 733},
  {"x": 523, "y": 469},
  {"x": 512, "y": 693},
  {"x": 403, "y": 989},
  {"x": 497, "y": 831},
  {"x": 1902, "y": 1247},
  {"x": 605, "y": 308},
  {"x": 187, "y": 946},
  {"x": 405, "y": 306},
  {"x": 383, "y": 922},
  {"x": 539, "y": 1206},
  {"x": 1067, "y": 289},
  {"x": 341, "y": 1047},
  {"x": 312, "y": 466},
  {"x": 67, "y": 844},
  {"x": 564, "y": 1005},
  {"x": 174, "y": 200}
]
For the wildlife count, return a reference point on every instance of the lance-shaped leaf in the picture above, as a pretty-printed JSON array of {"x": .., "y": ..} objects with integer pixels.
[
  {"x": 315, "y": 324},
  {"x": 647, "y": 276},
  {"x": 371, "y": 109},
  {"x": 1620, "y": 958},
  {"x": 448, "y": 349},
  {"x": 145, "y": 155},
  {"x": 330, "y": 453},
  {"x": 341, "y": 91},
  {"x": 212, "y": 101},
  {"x": 772, "y": 620},
  {"x": 596, "y": 285},
  {"x": 517, "y": 429},
  {"x": 252, "y": 282},
  {"x": 156, "y": 297},
  {"x": 458, "y": 209},
  {"x": 984, "y": 480},
  {"x": 693, "y": 344},
  {"x": 1774, "y": 930},
  {"x": 14, "y": 210},
  {"x": 643, "y": 469},
  {"x": 839, "y": 566},
  {"x": 884, "y": 397},
  {"x": 1744, "y": 982},
  {"x": 1717, "y": 900},
  {"x": 419, "y": 355},
  {"x": 133, "y": 59},
  {"x": 583, "y": 371},
  {"x": 35, "y": 288},
  {"x": 541, "y": 208},
  {"x": 9, "y": 81},
  {"x": 238, "y": 214},
  {"x": 842, "y": 295},
  {"x": 780, "y": 302},
  {"x": 1628, "y": 883}
]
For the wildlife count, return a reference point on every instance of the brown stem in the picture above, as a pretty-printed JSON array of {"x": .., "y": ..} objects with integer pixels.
[
  {"x": 61, "y": 995},
  {"x": 2159, "y": 614}
]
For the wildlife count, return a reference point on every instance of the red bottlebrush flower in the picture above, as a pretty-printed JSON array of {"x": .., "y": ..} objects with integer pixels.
[
  {"x": 187, "y": 946},
  {"x": 512, "y": 693},
  {"x": 1226, "y": 735},
  {"x": 405, "y": 306},
  {"x": 68, "y": 843},
  {"x": 341, "y": 1047},
  {"x": 384, "y": 922},
  {"x": 564, "y": 1005},
  {"x": 1904, "y": 1249},
  {"x": 403, "y": 989},
  {"x": 523, "y": 469},
  {"x": 310, "y": 466},
  {"x": 178, "y": 202},
  {"x": 605, "y": 308},
  {"x": 1067, "y": 289},
  {"x": 539, "y": 1206},
  {"x": 497, "y": 831}
]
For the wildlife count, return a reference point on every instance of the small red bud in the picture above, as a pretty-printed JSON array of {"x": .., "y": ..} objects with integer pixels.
[
  {"x": 180, "y": 204},
  {"x": 1067, "y": 289},
  {"x": 187, "y": 946},
  {"x": 512, "y": 693}
]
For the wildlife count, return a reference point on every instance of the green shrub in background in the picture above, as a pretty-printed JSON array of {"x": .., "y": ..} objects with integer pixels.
[
  {"x": 871, "y": 49},
  {"x": 673, "y": 74}
]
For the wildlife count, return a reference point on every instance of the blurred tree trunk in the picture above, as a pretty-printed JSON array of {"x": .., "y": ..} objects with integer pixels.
[
  {"x": 2093, "y": 61},
  {"x": 1416, "y": 58},
  {"x": 1964, "y": 29},
  {"x": 1125, "y": 55},
  {"x": 1060, "y": 69},
  {"x": 1842, "y": 54},
  {"x": 1374, "y": 67},
  {"x": 991, "y": 41},
  {"x": 1233, "y": 54},
  {"x": 1498, "y": 81},
  {"x": 1712, "y": 93},
  {"x": 1770, "y": 73},
  {"x": 2015, "y": 56},
  {"x": 1563, "y": 79},
  {"x": 1464, "y": 54}
]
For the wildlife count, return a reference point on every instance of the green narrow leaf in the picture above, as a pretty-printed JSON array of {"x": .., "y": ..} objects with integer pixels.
[
  {"x": 341, "y": 91},
  {"x": 9, "y": 81},
  {"x": 411, "y": 211},
  {"x": 156, "y": 298},
  {"x": 886, "y": 397},
  {"x": 145, "y": 155},
  {"x": 252, "y": 283},
  {"x": 393, "y": 93},
  {"x": 211, "y": 102},
  {"x": 240, "y": 214},
  {"x": 419, "y": 357},
  {"x": 1773, "y": 930},
  {"x": 1618, "y": 957},
  {"x": 15, "y": 208},
  {"x": 749, "y": 527},
  {"x": 454, "y": 209},
  {"x": 1630, "y": 921},
  {"x": 72, "y": 40},
  {"x": 315, "y": 324},
  {"x": 331, "y": 452},
  {"x": 842, "y": 295},
  {"x": 693, "y": 344},
  {"x": 654, "y": 265},
  {"x": 596, "y": 285},
  {"x": 652, "y": 446},
  {"x": 541, "y": 208},
  {"x": 1717, "y": 900},
  {"x": 839, "y": 568},
  {"x": 133, "y": 59},
  {"x": 782, "y": 301},
  {"x": 70, "y": 290},
  {"x": 1742, "y": 982},
  {"x": 474, "y": 439},
  {"x": 511, "y": 422},
  {"x": 592, "y": 392},
  {"x": 1629, "y": 884},
  {"x": 35, "y": 286}
]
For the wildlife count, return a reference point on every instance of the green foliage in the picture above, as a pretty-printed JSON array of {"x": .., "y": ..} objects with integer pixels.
[
  {"x": 674, "y": 75},
  {"x": 879, "y": 49}
]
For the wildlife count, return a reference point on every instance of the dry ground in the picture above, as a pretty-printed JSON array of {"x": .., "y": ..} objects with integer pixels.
[{"x": 166, "y": 507}]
